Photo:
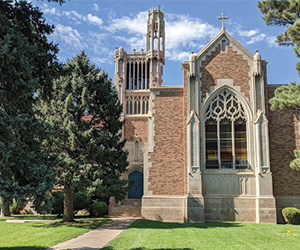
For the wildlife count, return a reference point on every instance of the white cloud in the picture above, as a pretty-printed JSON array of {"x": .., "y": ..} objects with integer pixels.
[
  {"x": 135, "y": 25},
  {"x": 183, "y": 33},
  {"x": 69, "y": 36},
  {"x": 183, "y": 30},
  {"x": 51, "y": 11},
  {"x": 48, "y": 10},
  {"x": 95, "y": 7},
  {"x": 257, "y": 38},
  {"x": 248, "y": 33},
  {"x": 178, "y": 56},
  {"x": 271, "y": 40},
  {"x": 75, "y": 16},
  {"x": 94, "y": 20}
]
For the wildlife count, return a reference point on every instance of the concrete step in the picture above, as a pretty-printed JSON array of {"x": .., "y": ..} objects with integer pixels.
[
  {"x": 131, "y": 209},
  {"x": 131, "y": 202}
]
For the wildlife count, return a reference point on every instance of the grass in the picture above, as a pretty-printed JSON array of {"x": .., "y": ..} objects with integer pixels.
[
  {"x": 150, "y": 235},
  {"x": 41, "y": 235}
]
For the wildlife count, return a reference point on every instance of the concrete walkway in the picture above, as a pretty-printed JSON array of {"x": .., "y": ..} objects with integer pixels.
[{"x": 97, "y": 238}]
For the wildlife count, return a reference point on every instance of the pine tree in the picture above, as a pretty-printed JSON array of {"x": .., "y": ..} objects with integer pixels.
[
  {"x": 27, "y": 65},
  {"x": 85, "y": 113},
  {"x": 285, "y": 13}
]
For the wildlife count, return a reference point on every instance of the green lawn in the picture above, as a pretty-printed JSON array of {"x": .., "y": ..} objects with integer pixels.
[
  {"x": 154, "y": 235},
  {"x": 41, "y": 235}
]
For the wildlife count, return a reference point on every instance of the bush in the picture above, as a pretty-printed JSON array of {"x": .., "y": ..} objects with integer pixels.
[
  {"x": 16, "y": 207},
  {"x": 99, "y": 209},
  {"x": 57, "y": 203},
  {"x": 291, "y": 215},
  {"x": 80, "y": 201}
]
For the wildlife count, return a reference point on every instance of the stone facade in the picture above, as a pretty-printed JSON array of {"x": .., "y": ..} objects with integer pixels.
[{"x": 210, "y": 150}]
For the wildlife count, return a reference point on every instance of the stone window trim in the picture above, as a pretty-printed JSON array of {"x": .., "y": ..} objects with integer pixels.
[
  {"x": 226, "y": 132},
  {"x": 136, "y": 105},
  {"x": 137, "y": 140}
]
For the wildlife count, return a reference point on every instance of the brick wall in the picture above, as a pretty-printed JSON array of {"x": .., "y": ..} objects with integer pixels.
[
  {"x": 284, "y": 138},
  {"x": 224, "y": 66},
  {"x": 136, "y": 126},
  {"x": 168, "y": 170}
]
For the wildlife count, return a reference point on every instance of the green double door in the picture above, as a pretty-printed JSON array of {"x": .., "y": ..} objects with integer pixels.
[{"x": 135, "y": 183}]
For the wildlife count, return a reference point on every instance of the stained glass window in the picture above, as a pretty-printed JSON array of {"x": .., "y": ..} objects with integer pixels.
[{"x": 225, "y": 131}]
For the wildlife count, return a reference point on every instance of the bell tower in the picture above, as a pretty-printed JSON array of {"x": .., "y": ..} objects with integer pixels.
[
  {"x": 155, "y": 45},
  {"x": 135, "y": 73}
]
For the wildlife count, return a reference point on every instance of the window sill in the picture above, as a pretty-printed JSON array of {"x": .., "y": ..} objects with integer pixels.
[
  {"x": 228, "y": 172},
  {"x": 137, "y": 116}
]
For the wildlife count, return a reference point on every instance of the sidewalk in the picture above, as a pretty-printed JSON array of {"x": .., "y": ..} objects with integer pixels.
[{"x": 97, "y": 238}]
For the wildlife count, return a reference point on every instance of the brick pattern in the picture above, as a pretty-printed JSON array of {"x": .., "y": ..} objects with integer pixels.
[
  {"x": 224, "y": 66},
  {"x": 185, "y": 115},
  {"x": 168, "y": 170},
  {"x": 284, "y": 138},
  {"x": 136, "y": 126}
]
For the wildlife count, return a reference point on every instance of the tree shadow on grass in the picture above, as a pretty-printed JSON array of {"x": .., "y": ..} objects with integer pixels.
[
  {"x": 144, "y": 248},
  {"x": 23, "y": 248},
  {"x": 88, "y": 224},
  {"x": 149, "y": 224}
]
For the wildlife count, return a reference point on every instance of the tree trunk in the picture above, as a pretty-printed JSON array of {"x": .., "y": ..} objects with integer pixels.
[
  {"x": 5, "y": 211},
  {"x": 68, "y": 205}
]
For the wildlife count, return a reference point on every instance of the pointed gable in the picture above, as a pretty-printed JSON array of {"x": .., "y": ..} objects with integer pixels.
[{"x": 224, "y": 60}]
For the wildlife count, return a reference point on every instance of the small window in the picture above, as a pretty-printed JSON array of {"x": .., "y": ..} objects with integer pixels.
[{"x": 224, "y": 45}]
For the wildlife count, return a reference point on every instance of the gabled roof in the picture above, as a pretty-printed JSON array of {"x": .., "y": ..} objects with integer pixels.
[{"x": 232, "y": 41}]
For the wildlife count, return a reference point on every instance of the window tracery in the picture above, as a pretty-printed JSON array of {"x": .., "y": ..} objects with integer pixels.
[
  {"x": 225, "y": 107},
  {"x": 137, "y": 105},
  {"x": 225, "y": 131}
]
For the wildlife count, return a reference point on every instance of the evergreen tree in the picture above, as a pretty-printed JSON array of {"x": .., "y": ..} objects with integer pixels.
[
  {"x": 85, "y": 112},
  {"x": 27, "y": 64},
  {"x": 285, "y": 13},
  {"x": 286, "y": 96}
]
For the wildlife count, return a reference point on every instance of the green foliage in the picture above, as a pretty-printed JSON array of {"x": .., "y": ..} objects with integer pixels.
[
  {"x": 16, "y": 207},
  {"x": 99, "y": 209},
  {"x": 284, "y": 13},
  {"x": 291, "y": 215},
  {"x": 80, "y": 201},
  {"x": 295, "y": 164},
  {"x": 286, "y": 96},
  {"x": 27, "y": 66},
  {"x": 85, "y": 114},
  {"x": 57, "y": 202}
]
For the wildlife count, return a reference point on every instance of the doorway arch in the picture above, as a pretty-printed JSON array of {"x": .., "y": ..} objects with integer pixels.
[{"x": 135, "y": 184}]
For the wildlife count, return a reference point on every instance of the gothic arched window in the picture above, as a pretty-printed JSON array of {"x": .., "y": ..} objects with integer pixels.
[{"x": 226, "y": 133}]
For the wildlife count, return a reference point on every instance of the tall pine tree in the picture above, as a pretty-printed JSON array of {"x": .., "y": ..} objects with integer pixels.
[
  {"x": 27, "y": 65},
  {"x": 285, "y": 13},
  {"x": 85, "y": 113}
]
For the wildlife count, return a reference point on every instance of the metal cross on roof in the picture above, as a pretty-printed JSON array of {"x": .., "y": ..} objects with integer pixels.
[{"x": 223, "y": 18}]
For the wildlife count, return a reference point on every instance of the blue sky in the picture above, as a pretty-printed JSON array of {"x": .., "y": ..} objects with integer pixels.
[{"x": 100, "y": 26}]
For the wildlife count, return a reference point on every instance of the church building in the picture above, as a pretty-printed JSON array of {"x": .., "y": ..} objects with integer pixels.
[{"x": 211, "y": 149}]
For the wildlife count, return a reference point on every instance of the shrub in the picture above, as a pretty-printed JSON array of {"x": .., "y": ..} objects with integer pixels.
[
  {"x": 291, "y": 215},
  {"x": 16, "y": 207},
  {"x": 99, "y": 209},
  {"x": 80, "y": 201},
  {"x": 57, "y": 203}
]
